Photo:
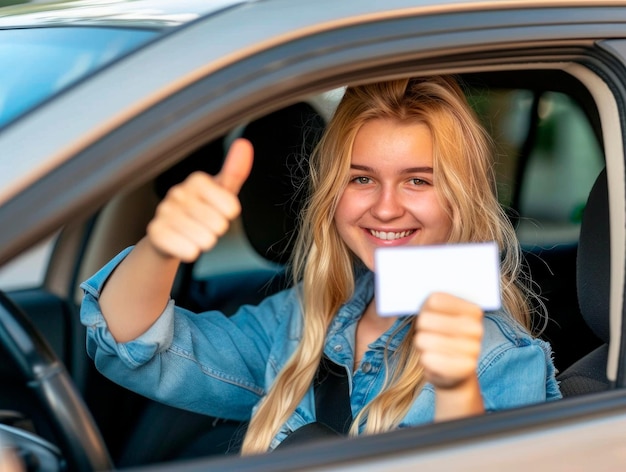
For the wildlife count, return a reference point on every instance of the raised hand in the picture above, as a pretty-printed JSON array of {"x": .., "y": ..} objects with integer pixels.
[{"x": 195, "y": 213}]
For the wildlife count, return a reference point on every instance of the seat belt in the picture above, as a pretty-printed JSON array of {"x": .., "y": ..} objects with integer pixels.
[
  {"x": 332, "y": 406},
  {"x": 332, "y": 396}
]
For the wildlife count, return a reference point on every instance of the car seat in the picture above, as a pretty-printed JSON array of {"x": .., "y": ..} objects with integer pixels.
[
  {"x": 588, "y": 374},
  {"x": 271, "y": 199},
  {"x": 273, "y": 195}
]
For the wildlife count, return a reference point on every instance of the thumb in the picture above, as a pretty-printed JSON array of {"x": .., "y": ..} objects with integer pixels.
[{"x": 237, "y": 166}]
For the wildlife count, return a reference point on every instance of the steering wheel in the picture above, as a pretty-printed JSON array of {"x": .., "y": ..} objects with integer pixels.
[{"x": 45, "y": 374}]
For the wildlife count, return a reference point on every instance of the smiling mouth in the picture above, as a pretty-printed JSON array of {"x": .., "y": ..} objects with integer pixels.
[{"x": 390, "y": 235}]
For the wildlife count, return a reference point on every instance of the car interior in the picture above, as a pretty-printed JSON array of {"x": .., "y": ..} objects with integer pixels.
[{"x": 549, "y": 152}]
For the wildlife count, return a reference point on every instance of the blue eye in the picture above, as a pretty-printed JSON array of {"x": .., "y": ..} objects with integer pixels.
[{"x": 361, "y": 180}]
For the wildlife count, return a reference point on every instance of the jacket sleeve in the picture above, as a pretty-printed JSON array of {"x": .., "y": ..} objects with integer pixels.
[
  {"x": 515, "y": 369},
  {"x": 207, "y": 362}
]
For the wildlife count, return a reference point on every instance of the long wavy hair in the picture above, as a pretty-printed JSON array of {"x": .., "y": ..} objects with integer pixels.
[{"x": 324, "y": 268}]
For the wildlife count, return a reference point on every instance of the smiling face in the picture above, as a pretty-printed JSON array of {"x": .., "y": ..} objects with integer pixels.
[{"x": 390, "y": 199}]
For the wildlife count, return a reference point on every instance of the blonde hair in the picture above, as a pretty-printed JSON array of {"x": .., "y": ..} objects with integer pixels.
[{"x": 324, "y": 266}]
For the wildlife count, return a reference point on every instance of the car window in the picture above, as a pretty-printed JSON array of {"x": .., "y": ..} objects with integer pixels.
[
  {"x": 38, "y": 63},
  {"x": 561, "y": 169},
  {"x": 28, "y": 270},
  {"x": 548, "y": 156},
  {"x": 547, "y": 160}
]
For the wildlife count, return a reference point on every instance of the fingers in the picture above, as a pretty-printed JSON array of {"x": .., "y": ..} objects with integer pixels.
[
  {"x": 448, "y": 337},
  {"x": 195, "y": 213},
  {"x": 188, "y": 222},
  {"x": 237, "y": 166},
  {"x": 200, "y": 194}
]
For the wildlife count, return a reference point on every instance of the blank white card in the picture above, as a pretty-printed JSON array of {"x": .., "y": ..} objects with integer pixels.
[{"x": 407, "y": 275}]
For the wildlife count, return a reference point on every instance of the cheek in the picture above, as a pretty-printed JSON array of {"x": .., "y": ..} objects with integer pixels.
[
  {"x": 435, "y": 214},
  {"x": 429, "y": 207},
  {"x": 348, "y": 208}
]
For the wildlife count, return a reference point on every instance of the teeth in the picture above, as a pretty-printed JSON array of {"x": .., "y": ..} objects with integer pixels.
[{"x": 390, "y": 236}]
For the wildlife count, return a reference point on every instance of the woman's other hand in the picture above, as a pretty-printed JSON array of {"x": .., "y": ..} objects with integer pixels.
[{"x": 449, "y": 335}]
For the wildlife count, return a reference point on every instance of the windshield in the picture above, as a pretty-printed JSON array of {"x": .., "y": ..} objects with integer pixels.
[{"x": 38, "y": 63}]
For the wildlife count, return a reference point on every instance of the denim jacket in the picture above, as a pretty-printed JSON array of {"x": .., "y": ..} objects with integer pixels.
[{"x": 222, "y": 366}]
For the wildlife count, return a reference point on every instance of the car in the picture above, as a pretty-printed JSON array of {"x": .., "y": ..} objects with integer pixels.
[{"x": 105, "y": 105}]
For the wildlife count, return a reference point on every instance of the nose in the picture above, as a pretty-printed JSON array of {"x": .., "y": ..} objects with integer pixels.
[{"x": 388, "y": 205}]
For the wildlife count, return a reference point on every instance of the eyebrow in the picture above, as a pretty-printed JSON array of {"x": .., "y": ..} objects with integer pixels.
[{"x": 410, "y": 170}]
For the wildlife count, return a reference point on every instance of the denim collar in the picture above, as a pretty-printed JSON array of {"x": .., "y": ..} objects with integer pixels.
[{"x": 351, "y": 312}]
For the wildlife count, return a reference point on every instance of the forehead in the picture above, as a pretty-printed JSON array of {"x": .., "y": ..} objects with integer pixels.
[{"x": 384, "y": 141}]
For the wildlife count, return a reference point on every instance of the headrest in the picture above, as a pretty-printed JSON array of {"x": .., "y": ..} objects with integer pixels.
[
  {"x": 593, "y": 261},
  {"x": 209, "y": 158},
  {"x": 273, "y": 195}
]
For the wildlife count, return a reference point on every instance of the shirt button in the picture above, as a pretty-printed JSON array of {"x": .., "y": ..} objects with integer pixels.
[
  {"x": 338, "y": 348},
  {"x": 366, "y": 367}
]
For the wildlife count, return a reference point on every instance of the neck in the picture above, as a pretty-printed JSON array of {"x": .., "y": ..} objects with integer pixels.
[
  {"x": 373, "y": 319},
  {"x": 369, "y": 329}
]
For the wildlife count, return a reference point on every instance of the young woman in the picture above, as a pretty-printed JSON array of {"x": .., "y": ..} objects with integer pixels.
[{"x": 403, "y": 162}]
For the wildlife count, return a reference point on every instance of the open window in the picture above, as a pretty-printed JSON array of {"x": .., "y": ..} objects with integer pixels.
[{"x": 549, "y": 151}]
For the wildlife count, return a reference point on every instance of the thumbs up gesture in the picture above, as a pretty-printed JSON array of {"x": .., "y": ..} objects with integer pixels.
[{"x": 195, "y": 213}]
